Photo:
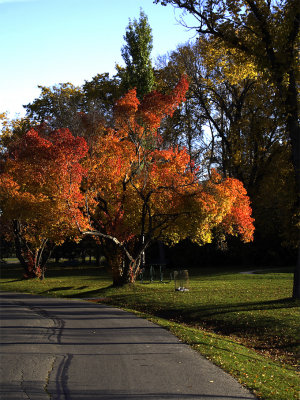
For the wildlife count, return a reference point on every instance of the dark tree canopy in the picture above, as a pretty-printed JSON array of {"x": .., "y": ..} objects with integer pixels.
[{"x": 266, "y": 31}]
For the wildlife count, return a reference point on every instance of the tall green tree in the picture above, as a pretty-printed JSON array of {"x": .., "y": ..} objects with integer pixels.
[
  {"x": 136, "y": 53},
  {"x": 266, "y": 31}
]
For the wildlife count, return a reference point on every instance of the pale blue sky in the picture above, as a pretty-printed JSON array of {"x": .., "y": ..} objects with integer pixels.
[{"x": 45, "y": 42}]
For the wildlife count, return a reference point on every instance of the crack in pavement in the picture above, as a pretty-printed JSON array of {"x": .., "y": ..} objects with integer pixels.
[
  {"x": 54, "y": 331},
  {"x": 48, "y": 377},
  {"x": 36, "y": 371},
  {"x": 22, "y": 384}
]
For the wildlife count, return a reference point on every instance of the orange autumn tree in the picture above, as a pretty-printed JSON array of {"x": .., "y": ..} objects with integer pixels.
[
  {"x": 40, "y": 194},
  {"x": 136, "y": 190}
]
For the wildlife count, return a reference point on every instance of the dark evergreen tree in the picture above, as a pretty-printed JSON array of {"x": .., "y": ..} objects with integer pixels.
[{"x": 136, "y": 52}]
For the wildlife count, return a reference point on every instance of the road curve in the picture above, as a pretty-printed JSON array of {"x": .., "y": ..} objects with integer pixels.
[{"x": 63, "y": 349}]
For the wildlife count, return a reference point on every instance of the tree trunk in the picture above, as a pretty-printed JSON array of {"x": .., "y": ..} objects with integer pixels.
[
  {"x": 19, "y": 246},
  {"x": 34, "y": 263},
  {"x": 22, "y": 252},
  {"x": 131, "y": 270},
  {"x": 291, "y": 105},
  {"x": 296, "y": 285},
  {"x": 97, "y": 256},
  {"x": 115, "y": 264},
  {"x": 44, "y": 257},
  {"x": 123, "y": 270}
]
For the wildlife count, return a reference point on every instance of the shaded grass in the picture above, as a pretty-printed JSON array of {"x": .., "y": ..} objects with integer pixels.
[
  {"x": 246, "y": 324},
  {"x": 256, "y": 309},
  {"x": 61, "y": 281}
]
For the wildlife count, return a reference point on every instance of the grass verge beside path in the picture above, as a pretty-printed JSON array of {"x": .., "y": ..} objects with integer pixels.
[{"x": 246, "y": 324}]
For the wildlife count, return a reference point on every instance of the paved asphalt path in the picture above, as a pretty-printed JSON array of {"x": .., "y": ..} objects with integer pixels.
[{"x": 71, "y": 349}]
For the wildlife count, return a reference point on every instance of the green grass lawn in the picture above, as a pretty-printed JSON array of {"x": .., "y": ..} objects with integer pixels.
[{"x": 247, "y": 324}]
